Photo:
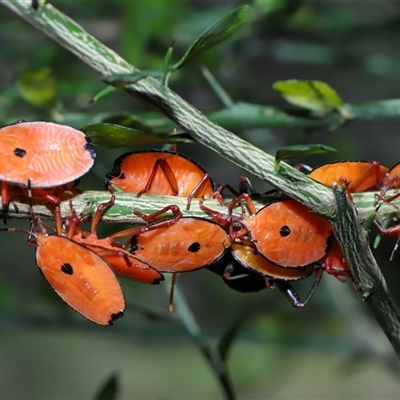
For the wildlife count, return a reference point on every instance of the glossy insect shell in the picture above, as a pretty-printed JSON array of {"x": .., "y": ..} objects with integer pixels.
[
  {"x": 351, "y": 171},
  {"x": 44, "y": 153},
  {"x": 81, "y": 278},
  {"x": 289, "y": 234},
  {"x": 186, "y": 245},
  {"x": 247, "y": 257},
  {"x": 131, "y": 172},
  {"x": 118, "y": 260}
]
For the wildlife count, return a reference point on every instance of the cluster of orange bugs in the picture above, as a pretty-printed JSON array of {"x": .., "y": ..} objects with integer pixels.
[{"x": 278, "y": 244}]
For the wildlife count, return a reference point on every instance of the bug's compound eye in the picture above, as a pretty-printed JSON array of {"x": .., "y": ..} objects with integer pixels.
[{"x": 285, "y": 231}]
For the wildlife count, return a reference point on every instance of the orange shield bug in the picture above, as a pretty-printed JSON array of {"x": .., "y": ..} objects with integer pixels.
[
  {"x": 78, "y": 275},
  {"x": 288, "y": 233},
  {"x": 160, "y": 172},
  {"x": 44, "y": 153},
  {"x": 359, "y": 176}
]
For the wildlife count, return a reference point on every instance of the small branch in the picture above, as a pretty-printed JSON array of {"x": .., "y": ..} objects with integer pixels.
[
  {"x": 126, "y": 203},
  {"x": 366, "y": 274}
]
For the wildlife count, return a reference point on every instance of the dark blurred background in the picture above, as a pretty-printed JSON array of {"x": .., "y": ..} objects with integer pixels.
[{"x": 331, "y": 349}]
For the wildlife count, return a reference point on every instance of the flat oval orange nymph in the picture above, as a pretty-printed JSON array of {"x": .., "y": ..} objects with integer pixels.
[
  {"x": 159, "y": 172},
  {"x": 289, "y": 234},
  {"x": 44, "y": 153},
  {"x": 81, "y": 278},
  {"x": 188, "y": 244}
]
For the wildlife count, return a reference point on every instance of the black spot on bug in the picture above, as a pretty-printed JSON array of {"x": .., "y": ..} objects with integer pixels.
[
  {"x": 134, "y": 246},
  {"x": 19, "y": 152},
  {"x": 114, "y": 317},
  {"x": 285, "y": 231},
  {"x": 67, "y": 269},
  {"x": 194, "y": 247}
]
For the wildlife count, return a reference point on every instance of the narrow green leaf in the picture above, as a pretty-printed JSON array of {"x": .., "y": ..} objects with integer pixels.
[
  {"x": 316, "y": 96},
  {"x": 166, "y": 64},
  {"x": 227, "y": 340},
  {"x": 221, "y": 30},
  {"x": 109, "y": 389},
  {"x": 37, "y": 87},
  {"x": 217, "y": 88},
  {"x": 103, "y": 93},
  {"x": 114, "y": 136},
  {"x": 299, "y": 150},
  {"x": 121, "y": 80}
]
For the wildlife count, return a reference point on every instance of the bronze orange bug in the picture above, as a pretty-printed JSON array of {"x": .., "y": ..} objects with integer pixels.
[
  {"x": 160, "y": 172},
  {"x": 77, "y": 274},
  {"x": 286, "y": 232},
  {"x": 180, "y": 244},
  {"x": 44, "y": 153},
  {"x": 359, "y": 176},
  {"x": 122, "y": 262}
]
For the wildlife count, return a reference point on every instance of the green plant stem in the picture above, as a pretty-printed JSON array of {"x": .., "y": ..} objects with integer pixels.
[{"x": 126, "y": 203}]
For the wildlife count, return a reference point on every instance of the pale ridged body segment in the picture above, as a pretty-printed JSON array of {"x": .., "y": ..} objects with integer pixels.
[{"x": 44, "y": 153}]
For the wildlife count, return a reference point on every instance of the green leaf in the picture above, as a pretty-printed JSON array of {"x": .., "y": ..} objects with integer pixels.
[
  {"x": 114, "y": 136},
  {"x": 109, "y": 389},
  {"x": 299, "y": 150},
  {"x": 38, "y": 87},
  {"x": 316, "y": 96},
  {"x": 103, "y": 93},
  {"x": 221, "y": 30},
  {"x": 217, "y": 88},
  {"x": 166, "y": 64},
  {"x": 121, "y": 80}
]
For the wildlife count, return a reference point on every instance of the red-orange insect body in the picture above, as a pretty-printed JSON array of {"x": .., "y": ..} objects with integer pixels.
[
  {"x": 160, "y": 172},
  {"x": 392, "y": 179},
  {"x": 81, "y": 278},
  {"x": 122, "y": 262},
  {"x": 360, "y": 176},
  {"x": 43, "y": 153},
  {"x": 187, "y": 244},
  {"x": 77, "y": 274},
  {"x": 334, "y": 262},
  {"x": 288, "y": 234}
]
